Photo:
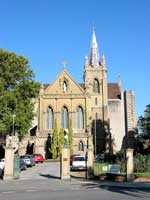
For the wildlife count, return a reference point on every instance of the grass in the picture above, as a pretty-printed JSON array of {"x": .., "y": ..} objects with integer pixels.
[
  {"x": 142, "y": 174},
  {"x": 137, "y": 174}
]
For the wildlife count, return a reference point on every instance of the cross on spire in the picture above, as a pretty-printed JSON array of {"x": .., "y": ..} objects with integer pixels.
[{"x": 64, "y": 64}]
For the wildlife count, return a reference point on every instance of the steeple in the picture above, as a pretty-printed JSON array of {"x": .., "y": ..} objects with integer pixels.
[
  {"x": 86, "y": 61},
  {"x": 94, "y": 55},
  {"x": 119, "y": 81},
  {"x": 103, "y": 61}
]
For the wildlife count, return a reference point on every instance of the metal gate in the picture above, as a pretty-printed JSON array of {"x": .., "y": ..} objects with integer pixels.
[{"x": 16, "y": 166}]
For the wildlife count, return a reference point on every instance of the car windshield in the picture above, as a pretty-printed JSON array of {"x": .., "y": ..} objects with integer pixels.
[
  {"x": 79, "y": 158},
  {"x": 25, "y": 157}
]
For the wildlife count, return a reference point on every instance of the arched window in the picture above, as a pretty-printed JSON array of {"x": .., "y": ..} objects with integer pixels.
[
  {"x": 80, "y": 146},
  {"x": 80, "y": 118},
  {"x": 65, "y": 118},
  {"x": 49, "y": 118},
  {"x": 96, "y": 87},
  {"x": 64, "y": 86}
]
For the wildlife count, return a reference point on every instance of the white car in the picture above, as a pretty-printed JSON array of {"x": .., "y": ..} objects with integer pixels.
[
  {"x": 28, "y": 159},
  {"x": 2, "y": 165},
  {"x": 79, "y": 163}
]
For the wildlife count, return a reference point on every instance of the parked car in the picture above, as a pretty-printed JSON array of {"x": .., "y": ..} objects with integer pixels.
[
  {"x": 79, "y": 163},
  {"x": 100, "y": 157},
  {"x": 2, "y": 165},
  {"x": 23, "y": 165},
  {"x": 38, "y": 158},
  {"x": 28, "y": 159},
  {"x": 72, "y": 158}
]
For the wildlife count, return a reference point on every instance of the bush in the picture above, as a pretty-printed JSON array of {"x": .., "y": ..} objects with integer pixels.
[
  {"x": 121, "y": 160},
  {"x": 141, "y": 163},
  {"x": 100, "y": 168}
]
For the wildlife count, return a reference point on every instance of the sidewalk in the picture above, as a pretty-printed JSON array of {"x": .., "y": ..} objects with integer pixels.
[{"x": 140, "y": 185}]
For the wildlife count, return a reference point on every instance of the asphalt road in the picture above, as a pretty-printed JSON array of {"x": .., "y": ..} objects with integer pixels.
[
  {"x": 56, "y": 189},
  {"x": 41, "y": 171},
  {"x": 42, "y": 183}
]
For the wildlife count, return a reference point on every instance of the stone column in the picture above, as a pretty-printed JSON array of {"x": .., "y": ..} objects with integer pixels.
[
  {"x": 90, "y": 162},
  {"x": 90, "y": 159},
  {"x": 65, "y": 163},
  {"x": 9, "y": 163},
  {"x": 129, "y": 164}
]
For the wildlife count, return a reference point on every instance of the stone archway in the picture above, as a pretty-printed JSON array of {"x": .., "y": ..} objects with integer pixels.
[
  {"x": 2, "y": 146},
  {"x": 30, "y": 148},
  {"x": 33, "y": 131},
  {"x": 48, "y": 143},
  {"x": 2, "y": 151}
]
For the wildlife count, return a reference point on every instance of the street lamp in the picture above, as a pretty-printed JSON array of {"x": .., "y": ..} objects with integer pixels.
[{"x": 13, "y": 116}]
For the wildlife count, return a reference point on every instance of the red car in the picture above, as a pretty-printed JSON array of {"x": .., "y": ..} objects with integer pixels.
[{"x": 38, "y": 158}]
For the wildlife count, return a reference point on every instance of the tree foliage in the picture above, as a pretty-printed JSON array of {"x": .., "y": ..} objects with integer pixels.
[
  {"x": 17, "y": 89},
  {"x": 144, "y": 131},
  {"x": 144, "y": 123},
  {"x": 70, "y": 137},
  {"x": 55, "y": 141},
  {"x": 61, "y": 139}
]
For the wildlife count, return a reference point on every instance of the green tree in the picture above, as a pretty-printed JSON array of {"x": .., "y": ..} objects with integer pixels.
[
  {"x": 70, "y": 137},
  {"x": 17, "y": 89},
  {"x": 55, "y": 141},
  {"x": 61, "y": 139},
  {"x": 144, "y": 123},
  {"x": 144, "y": 131}
]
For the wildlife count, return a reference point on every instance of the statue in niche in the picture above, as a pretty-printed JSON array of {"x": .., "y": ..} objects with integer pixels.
[
  {"x": 65, "y": 138},
  {"x": 64, "y": 86}
]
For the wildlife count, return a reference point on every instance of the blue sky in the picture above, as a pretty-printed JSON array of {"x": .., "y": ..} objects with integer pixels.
[{"x": 50, "y": 31}]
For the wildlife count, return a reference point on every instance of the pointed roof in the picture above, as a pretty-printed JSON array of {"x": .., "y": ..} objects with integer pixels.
[
  {"x": 103, "y": 62},
  {"x": 94, "y": 55},
  {"x": 114, "y": 91},
  {"x": 54, "y": 87}
]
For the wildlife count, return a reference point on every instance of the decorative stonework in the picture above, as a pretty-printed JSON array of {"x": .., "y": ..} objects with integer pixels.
[{"x": 107, "y": 104}]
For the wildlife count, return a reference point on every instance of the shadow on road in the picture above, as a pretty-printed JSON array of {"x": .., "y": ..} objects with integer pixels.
[
  {"x": 49, "y": 176},
  {"x": 135, "y": 192}
]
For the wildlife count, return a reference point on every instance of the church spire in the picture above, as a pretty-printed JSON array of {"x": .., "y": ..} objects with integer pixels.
[
  {"x": 103, "y": 62},
  {"x": 94, "y": 56}
]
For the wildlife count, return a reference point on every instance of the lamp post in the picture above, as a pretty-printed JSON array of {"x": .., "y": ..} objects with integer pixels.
[{"x": 13, "y": 116}]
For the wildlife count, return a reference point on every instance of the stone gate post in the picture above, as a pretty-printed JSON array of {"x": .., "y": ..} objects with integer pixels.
[
  {"x": 129, "y": 164},
  {"x": 9, "y": 163},
  {"x": 65, "y": 163},
  {"x": 90, "y": 159}
]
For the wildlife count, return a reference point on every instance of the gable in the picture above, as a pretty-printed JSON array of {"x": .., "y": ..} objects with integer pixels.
[{"x": 64, "y": 84}]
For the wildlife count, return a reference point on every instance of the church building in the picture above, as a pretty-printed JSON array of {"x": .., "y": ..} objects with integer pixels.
[{"x": 95, "y": 107}]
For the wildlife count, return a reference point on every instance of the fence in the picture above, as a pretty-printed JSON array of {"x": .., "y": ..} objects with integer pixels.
[
  {"x": 16, "y": 166},
  {"x": 100, "y": 168},
  {"x": 141, "y": 165}
]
